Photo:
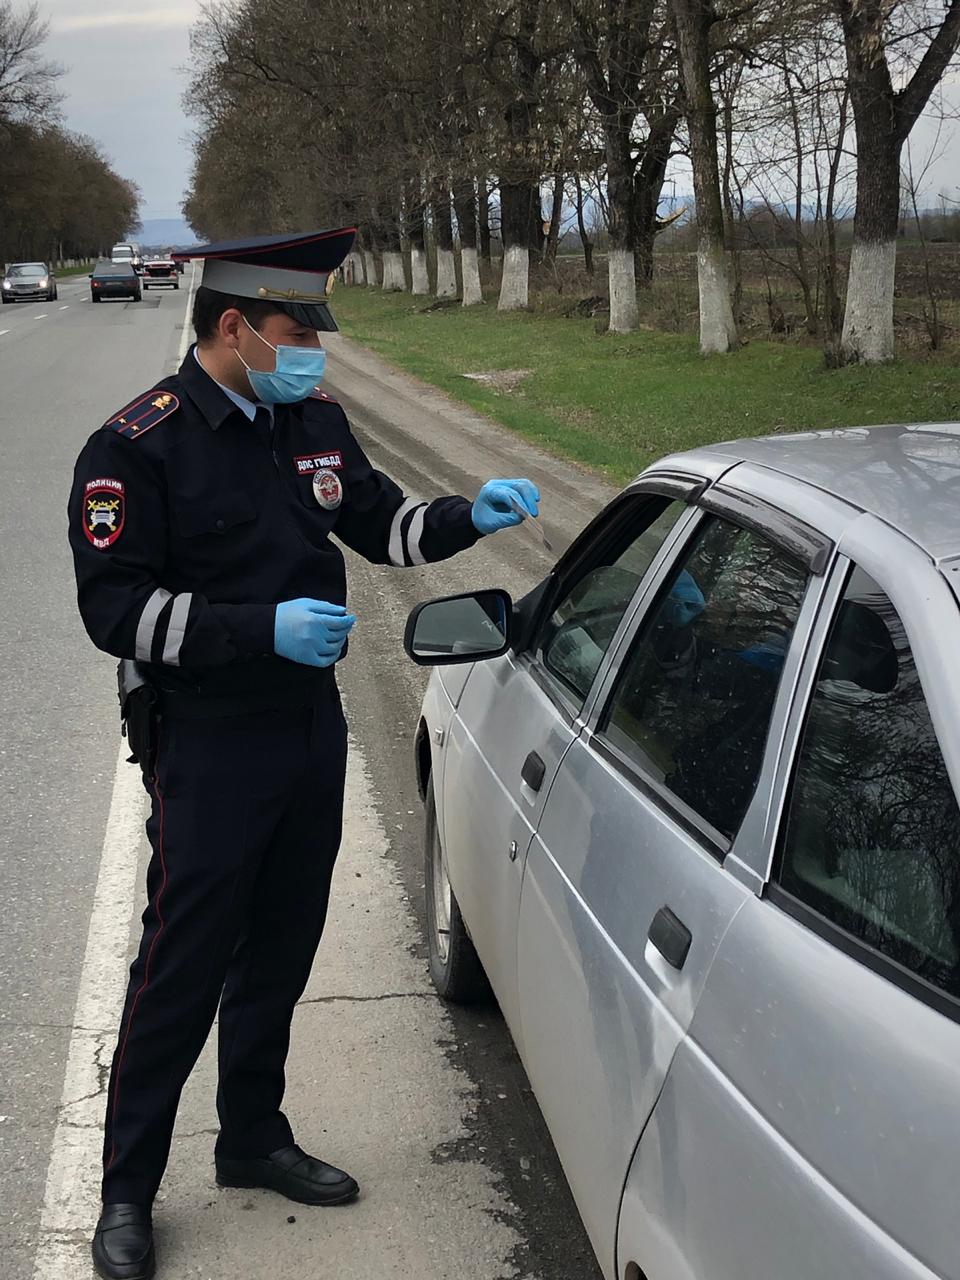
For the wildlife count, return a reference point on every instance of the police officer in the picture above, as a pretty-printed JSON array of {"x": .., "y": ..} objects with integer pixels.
[{"x": 200, "y": 521}]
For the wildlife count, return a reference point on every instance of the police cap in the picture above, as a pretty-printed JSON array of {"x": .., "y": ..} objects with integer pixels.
[{"x": 293, "y": 271}]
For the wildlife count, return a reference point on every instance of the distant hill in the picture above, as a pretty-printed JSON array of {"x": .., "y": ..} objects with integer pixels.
[{"x": 164, "y": 233}]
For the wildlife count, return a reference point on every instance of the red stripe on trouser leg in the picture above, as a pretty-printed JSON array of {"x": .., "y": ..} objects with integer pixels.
[{"x": 146, "y": 968}]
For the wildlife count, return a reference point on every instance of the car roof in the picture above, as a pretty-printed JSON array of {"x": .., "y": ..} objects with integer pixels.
[{"x": 907, "y": 475}]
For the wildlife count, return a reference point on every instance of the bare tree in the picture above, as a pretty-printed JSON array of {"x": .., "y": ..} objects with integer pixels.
[
  {"x": 917, "y": 39},
  {"x": 520, "y": 59},
  {"x": 694, "y": 21},
  {"x": 27, "y": 79},
  {"x": 627, "y": 57}
]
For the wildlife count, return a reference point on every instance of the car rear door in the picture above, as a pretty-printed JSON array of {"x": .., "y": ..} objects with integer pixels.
[
  {"x": 817, "y": 1097},
  {"x": 630, "y": 885},
  {"x": 518, "y": 715}
]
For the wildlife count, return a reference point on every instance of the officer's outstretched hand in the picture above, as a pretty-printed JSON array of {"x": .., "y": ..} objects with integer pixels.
[
  {"x": 502, "y": 503},
  {"x": 311, "y": 631}
]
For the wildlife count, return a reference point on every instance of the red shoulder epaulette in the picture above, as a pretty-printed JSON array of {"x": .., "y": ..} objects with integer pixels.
[
  {"x": 317, "y": 394},
  {"x": 137, "y": 418}
]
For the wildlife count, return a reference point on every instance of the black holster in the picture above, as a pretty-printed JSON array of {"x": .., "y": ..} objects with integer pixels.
[{"x": 139, "y": 713}]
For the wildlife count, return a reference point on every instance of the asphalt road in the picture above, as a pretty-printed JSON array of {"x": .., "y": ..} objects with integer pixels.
[{"x": 429, "y": 1108}]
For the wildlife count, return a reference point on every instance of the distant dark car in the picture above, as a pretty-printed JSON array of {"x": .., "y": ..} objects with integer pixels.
[
  {"x": 29, "y": 280},
  {"x": 157, "y": 271},
  {"x": 114, "y": 280}
]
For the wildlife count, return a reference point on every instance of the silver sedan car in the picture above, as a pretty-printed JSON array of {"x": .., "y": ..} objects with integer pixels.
[{"x": 692, "y": 813}]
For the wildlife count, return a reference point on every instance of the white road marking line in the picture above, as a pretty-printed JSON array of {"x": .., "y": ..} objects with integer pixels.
[
  {"x": 41, "y": 317},
  {"x": 3, "y": 331},
  {"x": 185, "y": 340},
  {"x": 72, "y": 1194},
  {"x": 71, "y": 1200},
  {"x": 66, "y": 308}
]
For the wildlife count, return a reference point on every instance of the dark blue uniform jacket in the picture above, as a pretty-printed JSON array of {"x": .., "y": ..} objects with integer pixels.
[{"x": 189, "y": 524}]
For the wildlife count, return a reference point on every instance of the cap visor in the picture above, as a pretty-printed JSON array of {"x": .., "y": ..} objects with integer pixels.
[{"x": 315, "y": 315}]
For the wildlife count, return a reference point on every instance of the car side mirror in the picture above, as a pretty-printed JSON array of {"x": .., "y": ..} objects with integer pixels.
[{"x": 460, "y": 629}]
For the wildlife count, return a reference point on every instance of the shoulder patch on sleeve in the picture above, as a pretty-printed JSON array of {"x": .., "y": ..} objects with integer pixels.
[
  {"x": 142, "y": 414},
  {"x": 317, "y": 394}
]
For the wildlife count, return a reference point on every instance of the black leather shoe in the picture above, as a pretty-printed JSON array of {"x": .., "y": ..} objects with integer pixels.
[
  {"x": 291, "y": 1172},
  {"x": 123, "y": 1243}
]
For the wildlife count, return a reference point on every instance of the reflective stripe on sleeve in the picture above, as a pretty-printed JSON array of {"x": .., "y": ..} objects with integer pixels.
[
  {"x": 414, "y": 534},
  {"x": 395, "y": 546},
  {"x": 177, "y": 629},
  {"x": 147, "y": 626}
]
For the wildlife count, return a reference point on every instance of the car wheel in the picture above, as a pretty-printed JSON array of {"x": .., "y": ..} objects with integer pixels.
[
  {"x": 138, "y": 297},
  {"x": 455, "y": 967},
  {"x": 95, "y": 297},
  {"x": 176, "y": 285}
]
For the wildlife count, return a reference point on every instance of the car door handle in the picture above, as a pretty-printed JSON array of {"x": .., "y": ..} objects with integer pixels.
[
  {"x": 533, "y": 771},
  {"x": 671, "y": 937}
]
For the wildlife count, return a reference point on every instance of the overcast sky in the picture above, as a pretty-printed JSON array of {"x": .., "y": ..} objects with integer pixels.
[
  {"x": 123, "y": 87},
  {"x": 124, "y": 80}
]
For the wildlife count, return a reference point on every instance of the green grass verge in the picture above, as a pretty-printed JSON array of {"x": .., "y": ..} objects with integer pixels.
[
  {"x": 63, "y": 272},
  {"x": 617, "y": 402}
]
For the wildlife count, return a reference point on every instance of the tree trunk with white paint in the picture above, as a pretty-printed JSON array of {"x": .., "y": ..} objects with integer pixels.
[
  {"x": 620, "y": 260},
  {"x": 419, "y": 275},
  {"x": 370, "y": 266},
  {"x": 353, "y": 269},
  {"x": 387, "y": 239},
  {"x": 394, "y": 280},
  {"x": 465, "y": 206},
  {"x": 883, "y": 118},
  {"x": 515, "y": 281},
  {"x": 718, "y": 330},
  {"x": 470, "y": 271},
  {"x": 623, "y": 290},
  {"x": 443, "y": 230},
  {"x": 446, "y": 274},
  {"x": 868, "y": 320},
  {"x": 515, "y": 220},
  {"x": 416, "y": 228}
]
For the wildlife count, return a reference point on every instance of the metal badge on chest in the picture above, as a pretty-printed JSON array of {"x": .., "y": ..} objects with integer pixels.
[{"x": 327, "y": 489}]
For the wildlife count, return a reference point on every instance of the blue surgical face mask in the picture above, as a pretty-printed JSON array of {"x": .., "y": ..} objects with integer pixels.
[{"x": 297, "y": 370}]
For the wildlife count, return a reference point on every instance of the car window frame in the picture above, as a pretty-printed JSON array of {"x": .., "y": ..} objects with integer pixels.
[
  {"x": 773, "y": 892},
  {"x": 802, "y": 543},
  {"x": 673, "y": 485}
]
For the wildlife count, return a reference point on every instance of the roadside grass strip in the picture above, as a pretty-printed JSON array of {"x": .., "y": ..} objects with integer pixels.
[{"x": 616, "y": 402}]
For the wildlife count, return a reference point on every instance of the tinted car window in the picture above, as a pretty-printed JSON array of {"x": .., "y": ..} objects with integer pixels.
[
  {"x": 693, "y": 702},
  {"x": 28, "y": 270},
  {"x": 113, "y": 269},
  {"x": 872, "y": 840},
  {"x": 579, "y": 631}
]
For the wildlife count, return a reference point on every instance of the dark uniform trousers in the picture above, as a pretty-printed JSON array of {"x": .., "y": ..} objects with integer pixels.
[{"x": 245, "y": 829}]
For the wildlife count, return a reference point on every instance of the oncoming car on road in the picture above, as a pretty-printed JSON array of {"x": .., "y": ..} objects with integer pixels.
[
  {"x": 692, "y": 811},
  {"x": 114, "y": 280},
  {"x": 23, "y": 280}
]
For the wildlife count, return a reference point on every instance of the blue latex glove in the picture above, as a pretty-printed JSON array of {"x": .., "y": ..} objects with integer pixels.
[
  {"x": 494, "y": 507},
  {"x": 311, "y": 631}
]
